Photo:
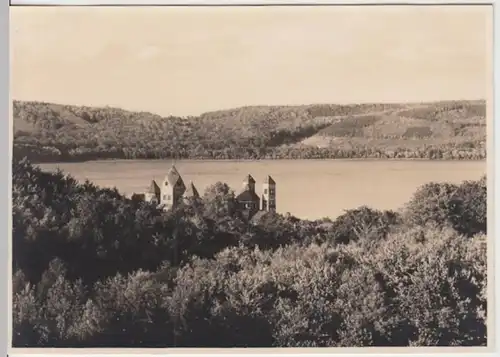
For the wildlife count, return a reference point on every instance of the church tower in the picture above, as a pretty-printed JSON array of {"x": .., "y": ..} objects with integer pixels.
[
  {"x": 153, "y": 194},
  {"x": 248, "y": 201},
  {"x": 191, "y": 193},
  {"x": 172, "y": 189},
  {"x": 249, "y": 184},
  {"x": 269, "y": 195}
]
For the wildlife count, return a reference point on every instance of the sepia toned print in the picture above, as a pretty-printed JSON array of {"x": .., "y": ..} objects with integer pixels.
[{"x": 279, "y": 176}]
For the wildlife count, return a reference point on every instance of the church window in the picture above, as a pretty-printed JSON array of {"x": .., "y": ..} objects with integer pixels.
[
  {"x": 265, "y": 191},
  {"x": 164, "y": 197}
]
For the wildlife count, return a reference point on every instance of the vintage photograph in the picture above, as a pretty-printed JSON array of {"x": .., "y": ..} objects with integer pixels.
[{"x": 250, "y": 176}]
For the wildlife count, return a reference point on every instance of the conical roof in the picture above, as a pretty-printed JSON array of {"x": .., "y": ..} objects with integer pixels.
[
  {"x": 247, "y": 196},
  {"x": 153, "y": 188},
  {"x": 191, "y": 191},
  {"x": 172, "y": 176},
  {"x": 269, "y": 180},
  {"x": 249, "y": 179}
]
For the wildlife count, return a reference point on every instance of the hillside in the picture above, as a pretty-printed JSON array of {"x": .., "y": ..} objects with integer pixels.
[{"x": 440, "y": 130}]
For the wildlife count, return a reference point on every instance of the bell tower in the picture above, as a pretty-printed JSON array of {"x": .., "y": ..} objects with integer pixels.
[
  {"x": 172, "y": 188},
  {"x": 249, "y": 184},
  {"x": 269, "y": 195}
]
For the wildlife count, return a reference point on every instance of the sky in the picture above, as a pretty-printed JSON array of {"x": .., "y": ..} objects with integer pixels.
[{"x": 186, "y": 61}]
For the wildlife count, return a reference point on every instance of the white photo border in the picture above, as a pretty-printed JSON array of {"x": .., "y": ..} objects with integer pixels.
[{"x": 493, "y": 192}]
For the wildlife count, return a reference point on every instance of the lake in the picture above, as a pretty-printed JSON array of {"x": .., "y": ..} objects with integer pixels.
[{"x": 305, "y": 188}]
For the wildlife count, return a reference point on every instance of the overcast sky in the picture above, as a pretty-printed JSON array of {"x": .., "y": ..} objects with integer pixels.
[{"x": 185, "y": 61}]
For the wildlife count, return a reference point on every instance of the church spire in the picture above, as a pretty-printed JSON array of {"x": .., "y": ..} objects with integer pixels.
[{"x": 249, "y": 183}]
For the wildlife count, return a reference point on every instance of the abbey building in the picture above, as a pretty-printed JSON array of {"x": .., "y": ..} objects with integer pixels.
[
  {"x": 172, "y": 191},
  {"x": 249, "y": 203}
]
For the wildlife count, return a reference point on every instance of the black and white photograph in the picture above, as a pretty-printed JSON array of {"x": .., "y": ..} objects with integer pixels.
[{"x": 250, "y": 176}]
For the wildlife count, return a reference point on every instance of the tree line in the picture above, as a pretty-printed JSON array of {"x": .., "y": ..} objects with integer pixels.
[
  {"x": 92, "y": 268},
  {"x": 458, "y": 151}
]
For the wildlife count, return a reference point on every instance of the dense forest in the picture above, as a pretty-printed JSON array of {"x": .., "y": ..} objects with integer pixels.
[
  {"x": 442, "y": 130},
  {"x": 92, "y": 268}
]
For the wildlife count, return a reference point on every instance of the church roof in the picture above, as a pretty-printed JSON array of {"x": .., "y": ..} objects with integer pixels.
[
  {"x": 172, "y": 176},
  {"x": 269, "y": 180},
  {"x": 153, "y": 188},
  {"x": 249, "y": 178},
  {"x": 191, "y": 191},
  {"x": 247, "y": 196}
]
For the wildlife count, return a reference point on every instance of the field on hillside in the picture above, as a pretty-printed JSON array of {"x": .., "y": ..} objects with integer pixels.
[{"x": 441, "y": 130}]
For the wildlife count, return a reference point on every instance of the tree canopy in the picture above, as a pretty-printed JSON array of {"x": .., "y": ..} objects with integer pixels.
[{"x": 92, "y": 268}]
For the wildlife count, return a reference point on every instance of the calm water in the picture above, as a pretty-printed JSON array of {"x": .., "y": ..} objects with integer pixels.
[{"x": 306, "y": 188}]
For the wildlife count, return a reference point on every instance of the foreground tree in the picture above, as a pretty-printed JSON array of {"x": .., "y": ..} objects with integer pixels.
[{"x": 95, "y": 269}]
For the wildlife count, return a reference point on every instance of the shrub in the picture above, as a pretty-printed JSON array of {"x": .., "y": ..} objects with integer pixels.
[
  {"x": 463, "y": 207},
  {"x": 362, "y": 223}
]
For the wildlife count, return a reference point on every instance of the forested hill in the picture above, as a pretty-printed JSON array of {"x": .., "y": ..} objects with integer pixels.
[{"x": 439, "y": 130}]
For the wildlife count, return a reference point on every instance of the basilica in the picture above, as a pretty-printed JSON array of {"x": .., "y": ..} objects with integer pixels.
[{"x": 172, "y": 190}]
